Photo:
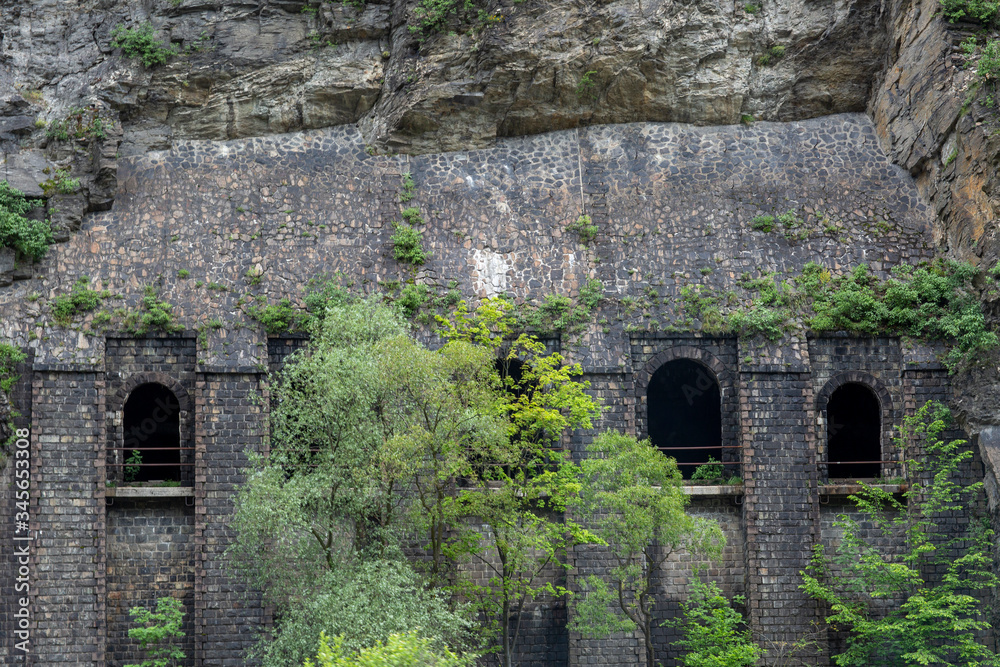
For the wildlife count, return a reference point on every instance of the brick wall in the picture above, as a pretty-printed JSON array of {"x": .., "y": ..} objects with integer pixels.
[
  {"x": 67, "y": 513},
  {"x": 229, "y": 420},
  {"x": 150, "y": 554}
]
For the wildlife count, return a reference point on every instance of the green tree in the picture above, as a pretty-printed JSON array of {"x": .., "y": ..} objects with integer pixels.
[
  {"x": 633, "y": 500},
  {"x": 521, "y": 496},
  {"x": 918, "y": 606},
  {"x": 327, "y": 510},
  {"x": 380, "y": 444},
  {"x": 715, "y": 634},
  {"x": 528, "y": 532},
  {"x": 157, "y": 632}
]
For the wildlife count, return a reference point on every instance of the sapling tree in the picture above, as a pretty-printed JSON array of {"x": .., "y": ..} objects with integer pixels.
[
  {"x": 632, "y": 499},
  {"x": 158, "y": 631},
  {"x": 918, "y": 605},
  {"x": 715, "y": 634},
  {"x": 518, "y": 496},
  {"x": 523, "y": 535}
]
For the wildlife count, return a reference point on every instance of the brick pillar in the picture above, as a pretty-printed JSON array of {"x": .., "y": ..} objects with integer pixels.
[
  {"x": 781, "y": 505},
  {"x": 619, "y": 649},
  {"x": 67, "y": 442},
  {"x": 229, "y": 419}
]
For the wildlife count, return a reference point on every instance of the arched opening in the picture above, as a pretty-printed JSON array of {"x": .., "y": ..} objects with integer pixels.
[
  {"x": 151, "y": 427},
  {"x": 854, "y": 430},
  {"x": 684, "y": 409}
]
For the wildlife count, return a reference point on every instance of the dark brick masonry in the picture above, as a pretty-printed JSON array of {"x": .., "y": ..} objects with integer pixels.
[{"x": 673, "y": 205}]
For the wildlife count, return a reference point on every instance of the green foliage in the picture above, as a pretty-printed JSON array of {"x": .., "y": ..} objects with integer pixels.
[
  {"x": 557, "y": 312},
  {"x": 412, "y": 216},
  {"x": 772, "y": 55},
  {"x": 408, "y": 244},
  {"x": 151, "y": 314},
  {"x": 715, "y": 634},
  {"x": 132, "y": 463},
  {"x": 699, "y": 302},
  {"x": 377, "y": 442},
  {"x": 59, "y": 182},
  {"x": 81, "y": 299},
  {"x": 29, "y": 237},
  {"x": 409, "y": 188},
  {"x": 760, "y": 320},
  {"x": 979, "y": 11},
  {"x": 10, "y": 357},
  {"x": 988, "y": 67},
  {"x": 399, "y": 650},
  {"x": 633, "y": 500},
  {"x": 522, "y": 497},
  {"x": 896, "y": 613},
  {"x": 935, "y": 301},
  {"x": 762, "y": 223},
  {"x": 81, "y": 124},
  {"x": 277, "y": 317},
  {"x": 713, "y": 471},
  {"x": 183, "y": 274},
  {"x": 586, "y": 86},
  {"x": 584, "y": 228},
  {"x": 141, "y": 43},
  {"x": 434, "y": 15},
  {"x": 157, "y": 632},
  {"x": 253, "y": 276},
  {"x": 412, "y": 298},
  {"x": 769, "y": 312},
  {"x": 751, "y": 8},
  {"x": 341, "y": 602}
]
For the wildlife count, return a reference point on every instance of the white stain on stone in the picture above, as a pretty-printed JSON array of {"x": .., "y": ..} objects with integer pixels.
[{"x": 489, "y": 277}]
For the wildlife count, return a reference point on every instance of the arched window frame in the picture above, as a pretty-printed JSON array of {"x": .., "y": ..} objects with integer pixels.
[
  {"x": 116, "y": 412},
  {"x": 731, "y": 454},
  {"x": 890, "y": 466}
]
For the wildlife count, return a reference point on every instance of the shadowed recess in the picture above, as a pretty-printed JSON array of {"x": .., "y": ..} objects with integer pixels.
[
  {"x": 685, "y": 413},
  {"x": 854, "y": 430},
  {"x": 152, "y": 426}
]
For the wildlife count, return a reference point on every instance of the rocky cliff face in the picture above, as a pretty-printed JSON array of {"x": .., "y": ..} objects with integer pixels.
[
  {"x": 934, "y": 122},
  {"x": 251, "y": 68}
]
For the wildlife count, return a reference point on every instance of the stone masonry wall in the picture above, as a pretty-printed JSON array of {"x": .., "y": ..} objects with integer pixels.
[
  {"x": 213, "y": 225},
  {"x": 672, "y": 203}
]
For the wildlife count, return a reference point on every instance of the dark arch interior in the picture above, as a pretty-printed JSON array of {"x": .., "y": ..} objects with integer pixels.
[
  {"x": 152, "y": 426},
  {"x": 854, "y": 432},
  {"x": 685, "y": 413}
]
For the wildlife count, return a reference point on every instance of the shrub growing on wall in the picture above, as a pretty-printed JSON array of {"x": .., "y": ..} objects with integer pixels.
[
  {"x": 29, "y": 237},
  {"x": 141, "y": 42}
]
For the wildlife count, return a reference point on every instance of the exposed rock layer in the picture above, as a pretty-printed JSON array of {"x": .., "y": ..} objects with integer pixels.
[{"x": 255, "y": 68}]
